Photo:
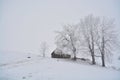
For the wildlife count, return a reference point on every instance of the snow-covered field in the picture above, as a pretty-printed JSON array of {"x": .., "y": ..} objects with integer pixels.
[{"x": 38, "y": 68}]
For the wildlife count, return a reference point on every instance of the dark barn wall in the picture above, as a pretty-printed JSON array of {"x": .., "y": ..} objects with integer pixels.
[{"x": 54, "y": 55}]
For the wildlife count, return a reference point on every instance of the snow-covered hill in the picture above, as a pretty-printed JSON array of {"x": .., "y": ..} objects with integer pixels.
[{"x": 38, "y": 68}]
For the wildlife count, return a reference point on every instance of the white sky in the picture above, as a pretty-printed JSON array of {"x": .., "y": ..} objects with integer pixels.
[{"x": 25, "y": 23}]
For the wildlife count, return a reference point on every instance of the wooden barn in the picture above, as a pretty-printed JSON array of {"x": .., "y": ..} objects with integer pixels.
[{"x": 59, "y": 54}]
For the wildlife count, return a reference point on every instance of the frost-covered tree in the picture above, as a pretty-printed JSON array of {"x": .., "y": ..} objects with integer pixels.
[
  {"x": 106, "y": 38},
  {"x": 98, "y": 36},
  {"x": 43, "y": 48},
  {"x": 87, "y": 27},
  {"x": 66, "y": 39}
]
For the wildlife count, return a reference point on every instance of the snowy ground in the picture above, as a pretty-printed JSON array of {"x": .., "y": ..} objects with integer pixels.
[{"x": 38, "y": 68}]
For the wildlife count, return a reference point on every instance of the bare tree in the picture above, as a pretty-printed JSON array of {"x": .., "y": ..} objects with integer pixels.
[
  {"x": 106, "y": 38},
  {"x": 99, "y": 36},
  {"x": 67, "y": 39},
  {"x": 43, "y": 48},
  {"x": 88, "y": 26}
]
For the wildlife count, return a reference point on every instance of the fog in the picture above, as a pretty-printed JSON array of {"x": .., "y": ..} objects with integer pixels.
[{"x": 24, "y": 24}]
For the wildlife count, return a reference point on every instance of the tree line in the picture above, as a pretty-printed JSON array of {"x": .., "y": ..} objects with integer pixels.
[{"x": 93, "y": 35}]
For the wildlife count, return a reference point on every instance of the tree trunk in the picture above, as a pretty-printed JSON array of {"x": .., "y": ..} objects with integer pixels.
[
  {"x": 74, "y": 52},
  {"x": 74, "y": 57},
  {"x": 103, "y": 60},
  {"x": 92, "y": 51},
  {"x": 103, "y": 52},
  {"x": 92, "y": 54},
  {"x": 93, "y": 58}
]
